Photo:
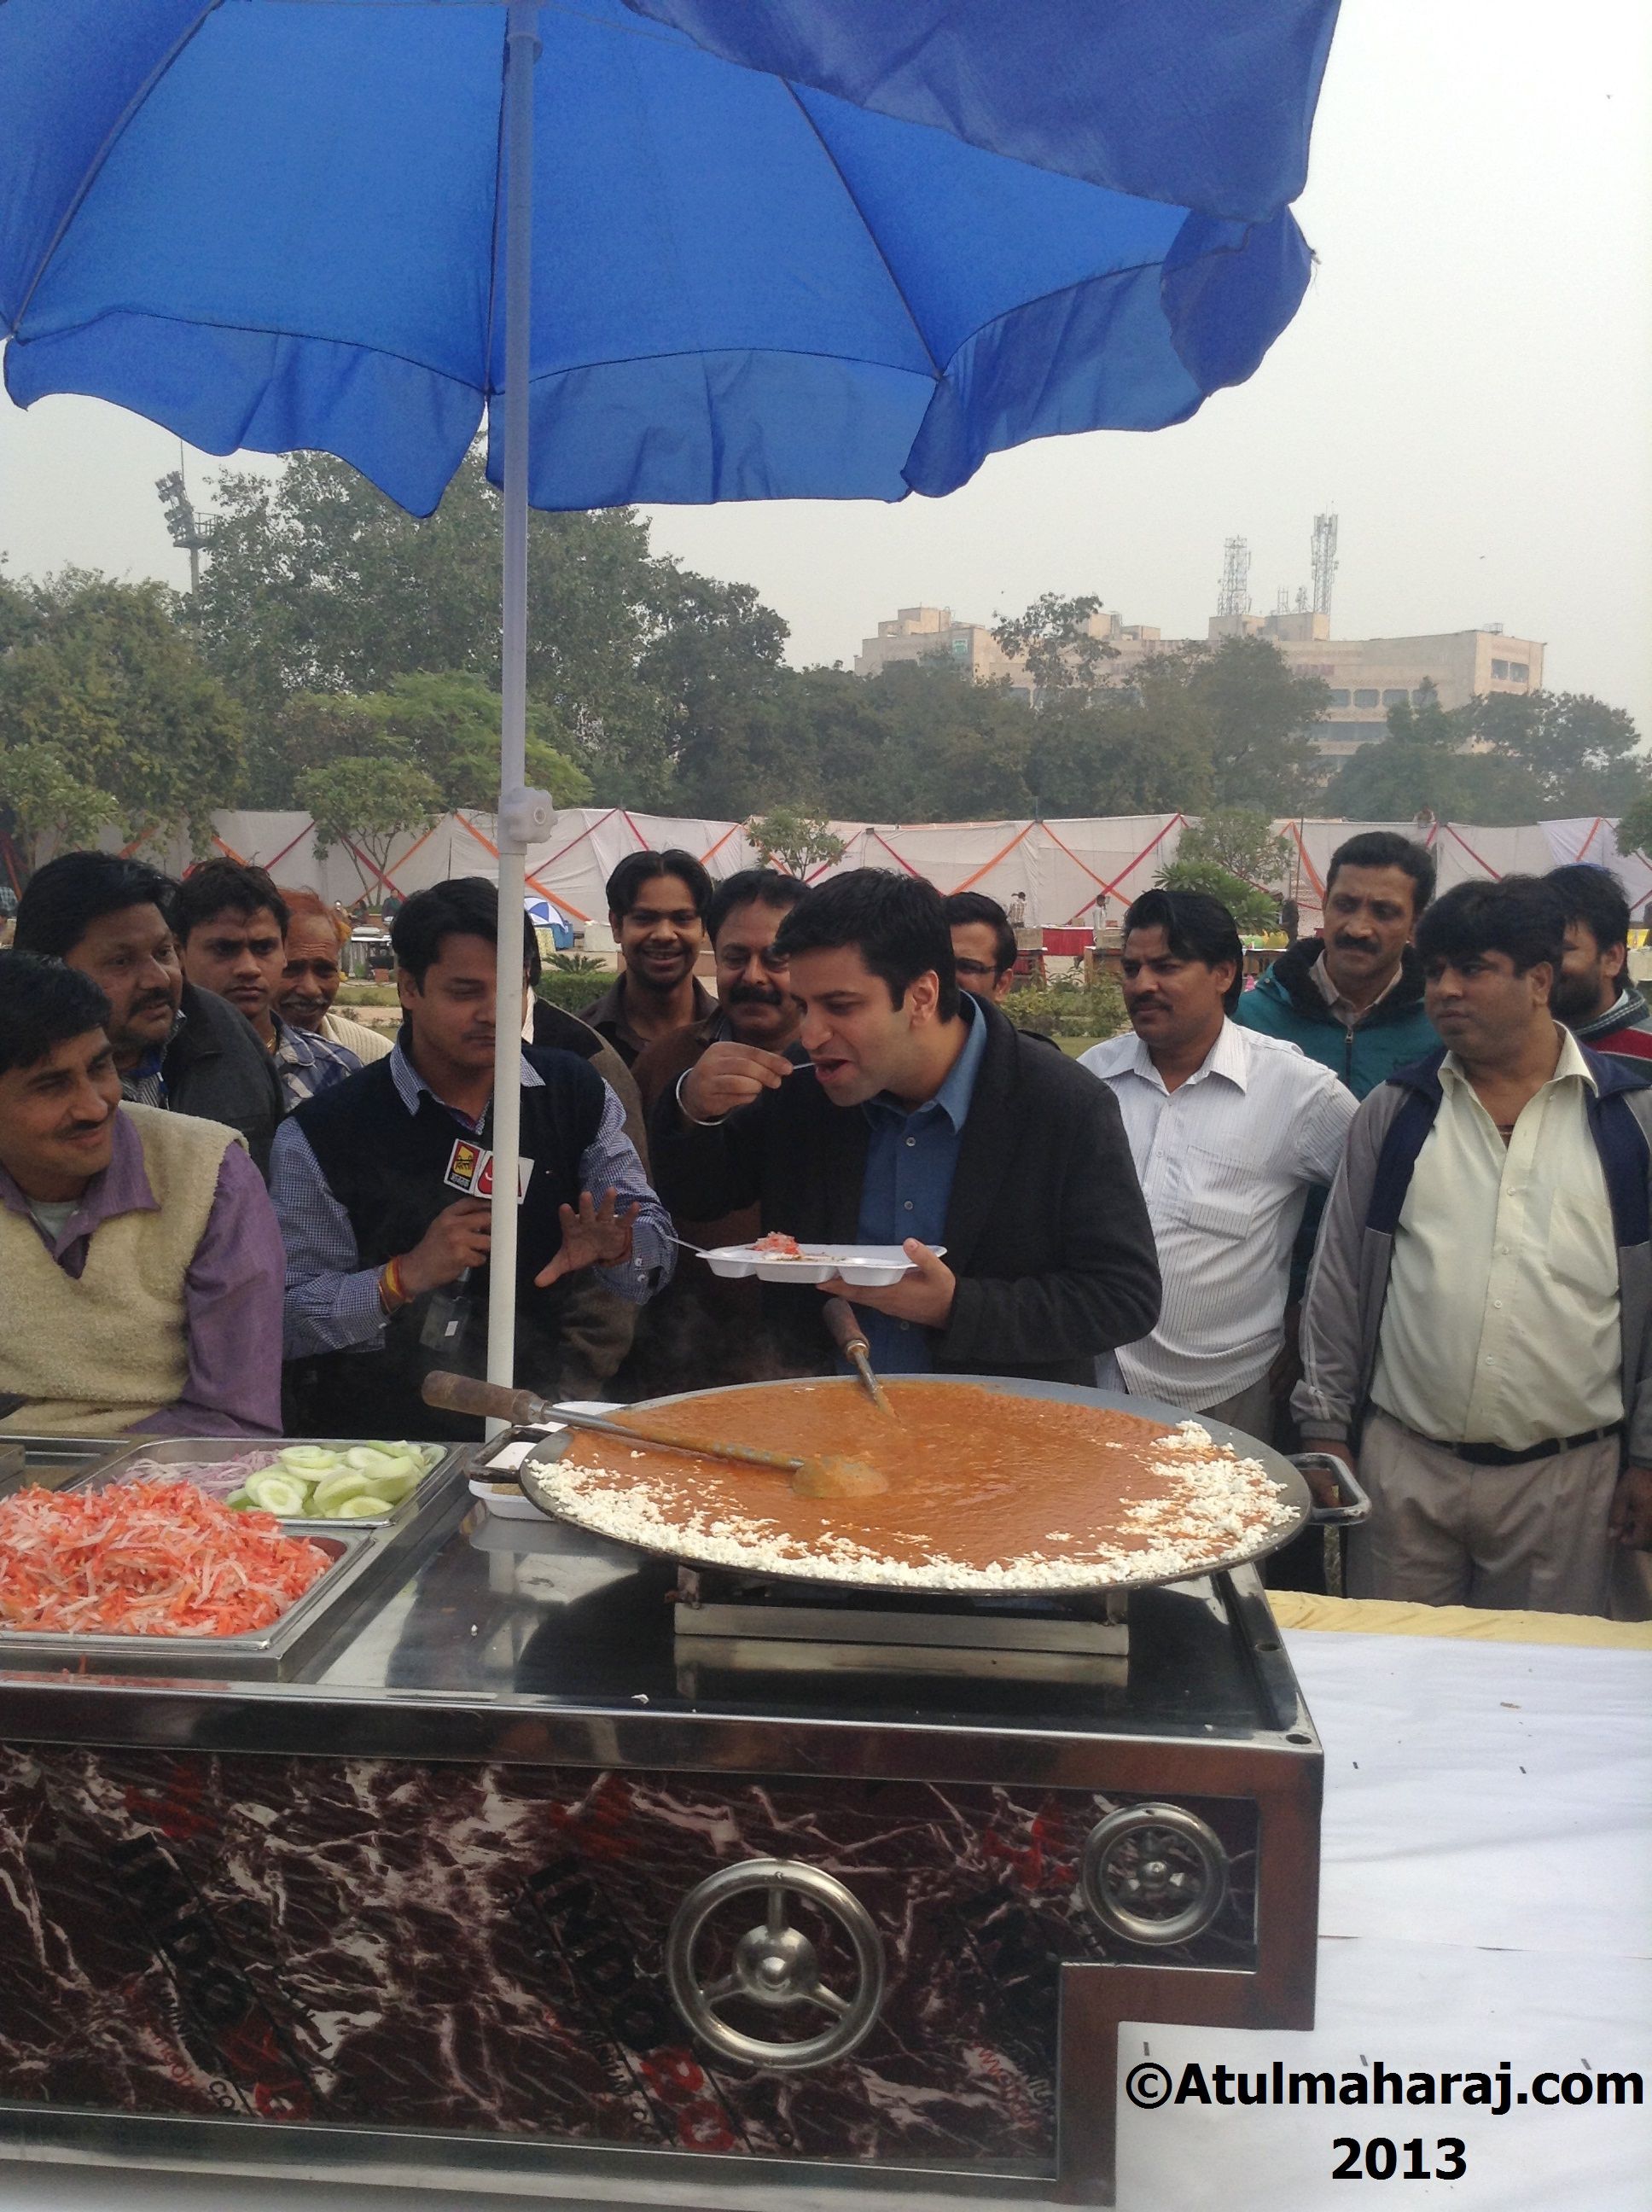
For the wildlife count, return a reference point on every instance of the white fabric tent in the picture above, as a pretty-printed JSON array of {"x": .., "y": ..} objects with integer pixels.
[{"x": 1062, "y": 865}]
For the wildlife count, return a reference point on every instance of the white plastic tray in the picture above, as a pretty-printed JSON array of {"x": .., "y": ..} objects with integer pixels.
[{"x": 865, "y": 1267}]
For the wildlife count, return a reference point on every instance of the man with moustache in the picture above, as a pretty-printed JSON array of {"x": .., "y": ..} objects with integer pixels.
[
  {"x": 1352, "y": 997},
  {"x": 176, "y": 1046},
  {"x": 657, "y": 906},
  {"x": 138, "y": 1249},
  {"x": 232, "y": 926},
  {"x": 702, "y": 1331},
  {"x": 1229, "y": 1133},
  {"x": 922, "y": 1120},
  {"x": 1478, "y": 1332}
]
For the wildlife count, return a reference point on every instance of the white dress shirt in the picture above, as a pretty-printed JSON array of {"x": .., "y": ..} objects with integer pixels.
[
  {"x": 1225, "y": 1162},
  {"x": 1501, "y": 1323}
]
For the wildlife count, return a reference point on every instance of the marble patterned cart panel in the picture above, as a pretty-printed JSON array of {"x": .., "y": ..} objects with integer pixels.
[{"x": 481, "y": 1949}]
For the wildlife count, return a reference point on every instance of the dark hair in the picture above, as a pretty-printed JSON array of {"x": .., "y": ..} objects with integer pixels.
[
  {"x": 639, "y": 868},
  {"x": 1196, "y": 927},
  {"x": 225, "y": 887},
  {"x": 42, "y": 1003},
  {"x": 1595, "y": 897},
  {"x": 753, "y": 887},
  {"x": 976, "y": 906},
  {"x": 1387, "y": 848},
  {"x": 464, "y": 906},
  {"x": 68, "y": 894},
  {"x": 897, "y": 924},
  {"x": 1523, "y": 916}
]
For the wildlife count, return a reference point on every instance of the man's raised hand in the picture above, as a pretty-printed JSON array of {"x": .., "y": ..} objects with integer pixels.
[
  {"x": 727, "y": 1076},
  {"x": 594, "y": 1236}
]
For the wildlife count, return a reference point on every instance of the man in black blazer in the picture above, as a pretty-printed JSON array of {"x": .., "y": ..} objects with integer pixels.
[{"x": 922, "y": 1119}]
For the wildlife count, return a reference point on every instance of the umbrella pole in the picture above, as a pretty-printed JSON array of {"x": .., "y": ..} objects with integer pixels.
[{"x": 522, "y": 45}]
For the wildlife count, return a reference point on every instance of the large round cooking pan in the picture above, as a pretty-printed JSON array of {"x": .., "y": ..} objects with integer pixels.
[{"x": 1291, "y": 1489}]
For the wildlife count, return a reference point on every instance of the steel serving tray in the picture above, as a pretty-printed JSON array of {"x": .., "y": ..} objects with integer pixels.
[
  {"x": 364, "y": 1553},
  {"x": 266, "y": 1653},
  {"x": 1292, "y": 1490},
  {"x": 185, "y": 1452}
]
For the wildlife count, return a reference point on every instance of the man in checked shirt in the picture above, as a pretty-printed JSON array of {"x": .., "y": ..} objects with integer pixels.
[{"x": 380, "y": 1187}]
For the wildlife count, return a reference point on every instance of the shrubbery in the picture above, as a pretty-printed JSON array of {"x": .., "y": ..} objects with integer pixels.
[{"x": 1066, "y": 1008}]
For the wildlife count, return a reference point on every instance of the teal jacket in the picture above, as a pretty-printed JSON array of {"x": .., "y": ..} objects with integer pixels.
[{"x": 1286, "y": 1003}]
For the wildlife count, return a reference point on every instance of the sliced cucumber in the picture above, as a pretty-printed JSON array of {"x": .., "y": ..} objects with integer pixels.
[
  {"x": 334, "y": 1489},
  {"x": 362, "y": 1509},
  {"x": 396, "y": 1487},
  {"x": 311, "y": 1461},
  {"x": 238, "y": 1502},
  {"x": 370, "y": 1459},
  {"x": 277, "y": 1493}
]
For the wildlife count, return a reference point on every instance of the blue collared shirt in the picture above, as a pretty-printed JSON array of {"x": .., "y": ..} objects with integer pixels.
[{"x": 911, "y": 1159}]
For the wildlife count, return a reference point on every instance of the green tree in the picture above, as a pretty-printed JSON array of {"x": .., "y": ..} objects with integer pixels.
[
  {"x": 1581, "y": 753},
  {"x": 1144, "y": 749},
  {"x": 947, "y": 747},
  {"x": 798, "y": 841},
  {"x": 365, "y": 804},
  {"x": 99, "y": 672},
  {"x": 1054, "y": 639},
  {"x": 44, "y": 803},
  {"x": 1635, "y": 826},
  {"x": 1262, "y": 720},
  {"x": 1252, "y": 910},
  {"x": 1239, "y": 839},
  {"x": 315, "y": 583}
]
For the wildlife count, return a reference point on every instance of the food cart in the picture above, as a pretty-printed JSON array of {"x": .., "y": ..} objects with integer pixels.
[{"x": 520, "y": 1856}]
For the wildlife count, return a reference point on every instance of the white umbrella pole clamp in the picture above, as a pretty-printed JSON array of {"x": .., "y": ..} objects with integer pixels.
[{"x": 522, "y": 42}]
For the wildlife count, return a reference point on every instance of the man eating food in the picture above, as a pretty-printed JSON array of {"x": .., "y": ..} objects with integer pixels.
[{"x": 923, "y": 1120}]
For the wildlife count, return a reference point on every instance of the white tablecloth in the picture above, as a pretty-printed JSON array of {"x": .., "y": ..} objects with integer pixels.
[{"x": 1487, "y": 1897}]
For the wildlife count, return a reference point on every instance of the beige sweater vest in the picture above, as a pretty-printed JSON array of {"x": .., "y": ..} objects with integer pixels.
[{"x": 92, "y": 1357}]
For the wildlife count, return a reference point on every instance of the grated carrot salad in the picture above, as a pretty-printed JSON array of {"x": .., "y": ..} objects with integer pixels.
[{"x": 152, "y": 1559}]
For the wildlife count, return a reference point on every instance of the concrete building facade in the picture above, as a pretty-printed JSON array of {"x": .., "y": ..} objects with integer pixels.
[
  {"x": 1366, "y": 676},
  {"x": 1369, "y": 675}
]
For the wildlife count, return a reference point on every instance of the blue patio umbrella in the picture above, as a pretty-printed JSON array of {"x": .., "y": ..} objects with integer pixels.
[{"x": 675, "y": 251}]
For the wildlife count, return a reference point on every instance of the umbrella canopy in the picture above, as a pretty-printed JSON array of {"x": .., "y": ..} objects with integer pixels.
[
  {"x": 662, "y": 270},
  {"x": 272, "y": 226},
  {"x": 543, "y": 916}
]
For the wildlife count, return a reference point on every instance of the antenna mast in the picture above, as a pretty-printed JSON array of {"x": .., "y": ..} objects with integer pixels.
[
  {"x": 1324, "y": 561},
  {"x": 1234, "y": 596}
]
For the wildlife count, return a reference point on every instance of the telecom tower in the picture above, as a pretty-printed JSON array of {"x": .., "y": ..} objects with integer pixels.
[
  {"x": 1234, "y": 596},
  {"x": 1324, "y": 561}
]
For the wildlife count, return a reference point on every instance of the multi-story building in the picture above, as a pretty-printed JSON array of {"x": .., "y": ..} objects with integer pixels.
[
  {"x": 930, "y": 633},
  {"x": 1366, "y": 676}
]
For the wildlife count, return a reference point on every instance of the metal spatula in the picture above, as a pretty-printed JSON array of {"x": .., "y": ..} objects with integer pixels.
[
  {"x": 851, "y": 1341},
  {"x": 825, "y": 1477}
]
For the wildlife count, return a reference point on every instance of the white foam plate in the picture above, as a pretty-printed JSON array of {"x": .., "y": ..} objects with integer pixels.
[
  {"x": 865, "y": 1267},
  {"x": 505, "y": 1501}
]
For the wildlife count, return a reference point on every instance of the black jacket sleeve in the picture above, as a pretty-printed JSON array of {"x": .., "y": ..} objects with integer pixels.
[
  {"x": 1088, "y": 1274},
  {"x": 704, "y": 1172}
]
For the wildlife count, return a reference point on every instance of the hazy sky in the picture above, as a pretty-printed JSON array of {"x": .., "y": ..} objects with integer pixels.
[{"x": 1467, "y": 383}]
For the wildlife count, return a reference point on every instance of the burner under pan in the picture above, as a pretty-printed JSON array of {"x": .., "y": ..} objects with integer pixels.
[{"x": 730, "y": 1624}]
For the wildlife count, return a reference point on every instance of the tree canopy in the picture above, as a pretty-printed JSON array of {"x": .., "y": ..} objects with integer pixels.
[{"x": 108, "y": 712}]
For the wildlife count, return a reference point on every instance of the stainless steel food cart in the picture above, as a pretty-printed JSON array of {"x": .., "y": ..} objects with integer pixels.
[{"x": 522, "y": 1874}]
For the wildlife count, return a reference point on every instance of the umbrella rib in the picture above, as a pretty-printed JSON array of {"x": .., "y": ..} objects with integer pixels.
[
  {"x": 95, "y": 166},
  {"x": 878, "y": 244}
]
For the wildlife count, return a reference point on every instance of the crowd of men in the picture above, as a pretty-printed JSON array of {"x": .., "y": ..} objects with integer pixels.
[{"x": 1390, "y": 1203}]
